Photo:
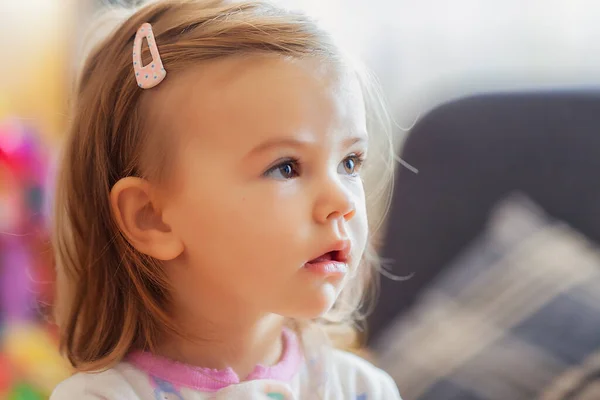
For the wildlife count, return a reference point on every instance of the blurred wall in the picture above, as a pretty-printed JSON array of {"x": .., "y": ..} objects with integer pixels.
[
  {"x": 428, "y": 51},
  {"x": 35, "y": 42}
]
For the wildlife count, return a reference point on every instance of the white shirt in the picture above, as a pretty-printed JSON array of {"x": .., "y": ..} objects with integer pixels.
[{"x": 327, "y": 374}]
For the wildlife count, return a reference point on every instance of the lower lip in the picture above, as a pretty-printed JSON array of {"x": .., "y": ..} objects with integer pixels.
[{"x": 327, "y": 268}]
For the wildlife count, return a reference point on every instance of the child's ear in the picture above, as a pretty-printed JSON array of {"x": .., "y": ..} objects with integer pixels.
[{"x": 140, "y": 219}]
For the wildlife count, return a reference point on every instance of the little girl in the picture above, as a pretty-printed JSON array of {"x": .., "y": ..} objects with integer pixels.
[{"x": 211, "y": 220}]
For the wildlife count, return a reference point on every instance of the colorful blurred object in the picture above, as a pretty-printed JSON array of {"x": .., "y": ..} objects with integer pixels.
[
  {"x": 23, "y": 163},
  {"x": 32, "y": 350},
  {"x": 24, "y": 392},
  {"x": 34, "y": 77},
  {"x": 30, "y": 366},
  {"x": 5, "y": 374}
]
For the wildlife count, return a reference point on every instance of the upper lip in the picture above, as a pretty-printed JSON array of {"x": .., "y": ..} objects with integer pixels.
[{"x": 340, "y": 250}]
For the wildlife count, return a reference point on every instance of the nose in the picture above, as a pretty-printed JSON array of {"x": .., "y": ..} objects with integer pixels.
[{"x": 335, "y": 202}]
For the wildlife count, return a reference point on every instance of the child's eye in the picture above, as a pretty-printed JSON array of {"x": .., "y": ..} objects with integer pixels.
[
  {"x": 351, "y": 165},
  {"x": 285, "y": 170}
]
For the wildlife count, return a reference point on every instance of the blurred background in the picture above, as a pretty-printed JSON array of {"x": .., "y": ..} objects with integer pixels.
[{"x": 496, "y": 104}]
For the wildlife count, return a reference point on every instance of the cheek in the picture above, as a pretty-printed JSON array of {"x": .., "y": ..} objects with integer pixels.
[
  {"x": 359, "y": 224},
  {"x": 234, "y": 225},
  {"x": 360, "y": 229}
]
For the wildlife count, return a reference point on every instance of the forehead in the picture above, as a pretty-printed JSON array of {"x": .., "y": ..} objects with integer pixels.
[{"x": 253, "y": 98}]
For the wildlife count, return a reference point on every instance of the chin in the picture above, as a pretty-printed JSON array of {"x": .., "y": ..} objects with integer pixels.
[{"x": 313, "y": 305}]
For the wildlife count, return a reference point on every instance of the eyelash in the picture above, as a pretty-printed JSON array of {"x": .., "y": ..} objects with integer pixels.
[
  {"x": 294, "y": 162},
  {"x": 358, "y": 158}
]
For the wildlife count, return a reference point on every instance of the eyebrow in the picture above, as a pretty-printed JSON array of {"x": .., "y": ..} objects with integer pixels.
[{"x": 299, "y": 143}]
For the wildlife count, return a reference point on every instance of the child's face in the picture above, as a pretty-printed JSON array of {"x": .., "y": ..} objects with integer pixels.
[{"x": 264, "y": 183}]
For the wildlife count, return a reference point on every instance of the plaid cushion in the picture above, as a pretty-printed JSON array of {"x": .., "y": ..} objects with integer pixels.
[
  {"x": 581, "y": 382},
  {"x": 515, "y": 312}
]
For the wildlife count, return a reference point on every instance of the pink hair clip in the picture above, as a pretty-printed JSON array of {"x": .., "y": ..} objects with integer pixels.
[{"x": 152, "y": 74}]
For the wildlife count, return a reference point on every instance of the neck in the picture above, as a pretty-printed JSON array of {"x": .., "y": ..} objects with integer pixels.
[{"x": 238, "y": 343}]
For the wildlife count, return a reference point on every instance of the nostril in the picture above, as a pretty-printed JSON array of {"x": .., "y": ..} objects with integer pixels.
[{"x": 349, "y": 215}]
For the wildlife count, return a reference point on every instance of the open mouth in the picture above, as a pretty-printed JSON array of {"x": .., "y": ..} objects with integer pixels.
[
  {"x": 331, "y": 263},
  {"x": 335, "y": 256}
]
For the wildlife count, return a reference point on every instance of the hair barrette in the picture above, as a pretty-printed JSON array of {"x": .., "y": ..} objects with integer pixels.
[{"x": 152, "y": 74}]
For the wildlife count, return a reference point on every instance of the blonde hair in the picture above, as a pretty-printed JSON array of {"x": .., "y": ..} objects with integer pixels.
[{"x": 111, "y": 298}]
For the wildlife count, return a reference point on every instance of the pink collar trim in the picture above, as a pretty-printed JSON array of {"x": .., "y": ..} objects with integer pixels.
[{"x": 206, "y": 379}]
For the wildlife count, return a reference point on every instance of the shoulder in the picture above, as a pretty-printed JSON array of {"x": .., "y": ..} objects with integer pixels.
[
  {"x": 107, "y": 385},
  {"x": 365, "y": 379}
]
